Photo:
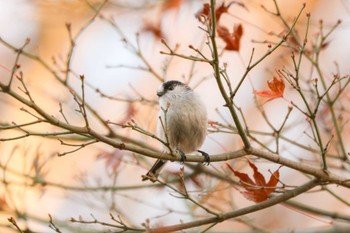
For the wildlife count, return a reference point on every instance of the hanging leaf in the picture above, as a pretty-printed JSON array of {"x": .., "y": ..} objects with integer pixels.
[
  {"x": 232, "y": 40},
  {"x": 256, "y": 190},
  {"x": 276, "y": 87}
]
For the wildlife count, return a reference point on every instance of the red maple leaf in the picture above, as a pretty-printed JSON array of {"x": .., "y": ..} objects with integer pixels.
[
  {"x": 257, "y": 190},
  {"x": 222, "y": 9},
  {"x": 205, "y": 11},
  {"x": 232, "y": 40},
  {"x": 276, "y": 87}
]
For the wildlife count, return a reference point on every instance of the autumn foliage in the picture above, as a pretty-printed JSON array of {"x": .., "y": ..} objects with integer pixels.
[
  {"x": 276, "y": 89},
  {"x": 256, "y": 189},
  {"x": 231, "y": 39},
  {"x": 81, "y": 131}
]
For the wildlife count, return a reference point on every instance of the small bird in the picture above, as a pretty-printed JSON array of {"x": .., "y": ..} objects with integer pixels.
[{"x": 182, "y": 122}]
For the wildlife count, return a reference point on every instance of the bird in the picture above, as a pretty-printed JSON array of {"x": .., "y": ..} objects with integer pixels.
[{"x": 182, "y": 123}]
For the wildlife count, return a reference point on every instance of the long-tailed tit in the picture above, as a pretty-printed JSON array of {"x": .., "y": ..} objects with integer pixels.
[{"x": 182, "y": 122}]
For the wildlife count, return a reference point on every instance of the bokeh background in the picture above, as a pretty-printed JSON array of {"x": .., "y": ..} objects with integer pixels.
[{"x": 110, "y": 65}]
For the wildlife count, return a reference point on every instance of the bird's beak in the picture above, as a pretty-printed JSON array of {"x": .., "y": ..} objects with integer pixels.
[{"x": 160, "y": 93}]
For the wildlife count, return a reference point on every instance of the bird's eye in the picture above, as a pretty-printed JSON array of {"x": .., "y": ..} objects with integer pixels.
[{"x": 171, "y": 88}]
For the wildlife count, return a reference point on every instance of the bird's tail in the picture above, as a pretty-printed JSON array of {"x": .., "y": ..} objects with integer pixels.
[{"x": 154, "y": 171}]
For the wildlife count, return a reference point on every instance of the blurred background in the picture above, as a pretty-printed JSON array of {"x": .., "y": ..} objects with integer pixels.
[{"x": 114, "y": 53}]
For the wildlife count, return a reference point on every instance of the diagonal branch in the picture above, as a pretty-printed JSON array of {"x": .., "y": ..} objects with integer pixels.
[{"x": 240, "y": 212}]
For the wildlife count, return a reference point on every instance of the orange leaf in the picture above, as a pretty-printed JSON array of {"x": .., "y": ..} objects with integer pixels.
[
  {"x": 255, "y": 196},
  {"x": 259, "y": 190},
  {"x": 273, "y": 181},
  {"x": 224, "y": 9},
  {"x": 247, "y": 182},
  {"x": 220, "y": 10},
  {"x": 155, "y": 29},
  {"x": 276, "y": 87},
  {"x": 204, "y": 12},
  {"x": 171, "y": 4},
  {"x": 232, "y": 40},
  {"x": 258, "y": 177}
]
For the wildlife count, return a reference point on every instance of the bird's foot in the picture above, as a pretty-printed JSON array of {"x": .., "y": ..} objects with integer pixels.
[
  {"x": 183, "y": 156},
  {"x": 206, "y": 157}
]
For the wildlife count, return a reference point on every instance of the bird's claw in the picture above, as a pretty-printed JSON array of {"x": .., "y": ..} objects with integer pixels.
[
  {"x": 206, "y": 157},
  {"x": 183, "y": 156}
]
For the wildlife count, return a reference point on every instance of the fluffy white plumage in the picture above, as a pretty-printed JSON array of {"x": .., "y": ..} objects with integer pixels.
[{"x": 182, "y": 120}]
